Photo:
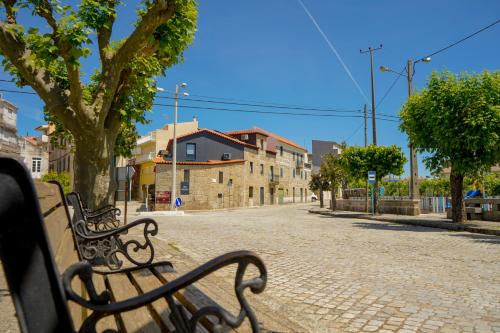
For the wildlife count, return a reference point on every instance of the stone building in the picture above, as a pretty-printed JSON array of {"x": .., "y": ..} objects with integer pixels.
[
  {"x": 9, "y": 144},
  {"x": 235, "y": 169},
  {"x": 147, "y": 148},
  {"x": 34, "y": 152}
]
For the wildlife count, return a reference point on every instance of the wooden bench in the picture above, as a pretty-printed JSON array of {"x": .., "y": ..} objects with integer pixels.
[
  {"x": 101, "y": 219},
  {"x": 37, "y": 243}
]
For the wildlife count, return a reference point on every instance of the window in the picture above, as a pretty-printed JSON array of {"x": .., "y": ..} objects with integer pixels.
[
  {"x": 262, "y": 169},
  {"x": 281, "y": 172},
  {"x": 221, "y": 177},
  {"x": 301, "y": 175},
  {"x": 281, "y": 150},
  {"x": 186, "y": 176},
  {"x": 262, "y": 143},
  {"x": 191, "y": 151},
  {"x": 250, "y": 192},
  {"x": 294, "y": 156},
  {"x": 293, "y": 173},
  {"x": 36, "y": 163},
  {"x": 251, "y": 167},
  {"x": 305, "y": 176}
]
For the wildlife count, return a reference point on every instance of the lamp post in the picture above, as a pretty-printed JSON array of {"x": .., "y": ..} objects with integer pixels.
[
  {"x": 174, "y": 143},
  {"x": 414, "y": 188}
]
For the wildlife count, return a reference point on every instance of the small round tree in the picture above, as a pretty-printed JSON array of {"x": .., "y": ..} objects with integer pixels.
[
  {"x": 456, "y": 122},
  {"x": 384, "y": 160},
  {"x": 333, "y": 171}
]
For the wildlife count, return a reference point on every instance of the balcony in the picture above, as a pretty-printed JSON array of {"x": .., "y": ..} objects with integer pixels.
[
  {"x": 307, "y": 166},
  {"x": 146, "y": 139},
  {"x": 299, "y": 164},
  {"x": 144, "y": 157},
  {"x": 7, "y": 124},
  {"x": 274, "y": 179}
]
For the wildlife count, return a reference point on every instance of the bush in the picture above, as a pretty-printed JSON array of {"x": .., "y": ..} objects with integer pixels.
[{"x": 62, "y": 178}]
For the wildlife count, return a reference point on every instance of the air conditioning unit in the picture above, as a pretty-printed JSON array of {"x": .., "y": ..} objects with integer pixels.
[
  {"x": 244, "y": 137},
  {"x": 226, "y": 156}
]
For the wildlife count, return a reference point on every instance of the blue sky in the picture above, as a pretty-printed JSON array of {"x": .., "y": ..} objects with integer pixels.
[{"x": 270, "y": 51}]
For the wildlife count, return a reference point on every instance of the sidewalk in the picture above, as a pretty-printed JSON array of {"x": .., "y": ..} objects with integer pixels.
[{"x": 424, "y": 220}]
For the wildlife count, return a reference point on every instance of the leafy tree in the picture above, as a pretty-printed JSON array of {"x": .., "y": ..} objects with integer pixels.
[
  {"x": 62, "y": 178},
  {"x": 384, "y": 160},
  {"x": 456, "y": 121},
  {"x": 396, "y": 188},
  {"x": 98, "y": 111},
  {"x": 333, "y": 171},
  {"x": 435, "y": 187},
  {"x": 492, "y": 184},
  {"x": 319, "y": 183}
]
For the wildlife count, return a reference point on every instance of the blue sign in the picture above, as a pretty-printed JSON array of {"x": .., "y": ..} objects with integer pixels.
[
  {"x": 372, "y": 177},
  {"x": 178, "y": 202},
  {"x": 382, "y": 191}
]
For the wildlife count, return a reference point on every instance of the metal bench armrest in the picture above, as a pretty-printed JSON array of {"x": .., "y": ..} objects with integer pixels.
[
  {"x": 109, "y": 244},
  {"x": 101, "y": 306}
]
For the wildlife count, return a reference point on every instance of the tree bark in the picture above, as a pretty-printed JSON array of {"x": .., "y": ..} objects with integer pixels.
[
  {"x": 321, "y": 203},
  {"x": 334, "y": 198},
  {"x": 94, "y": 172},
  {"x": 457, "y": 200}
]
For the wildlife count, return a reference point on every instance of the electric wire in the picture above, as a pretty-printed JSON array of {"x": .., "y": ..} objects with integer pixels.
[{"x": 462, "y": 40}]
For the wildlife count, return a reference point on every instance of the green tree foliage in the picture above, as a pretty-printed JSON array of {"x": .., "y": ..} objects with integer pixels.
[
  {"x": 62, "y": 178},
  {"x": 384, "y": 160},
  {"x": 435, "y": 187},
  {"x": 456, "y": 122},
  {"x": 98, "y": 111},
  {"x": 319, "y": 183},
  {"x": 398, "y": 188},
  {"x": 334, "y": 172},
  {"x": 492, "y": 184}
]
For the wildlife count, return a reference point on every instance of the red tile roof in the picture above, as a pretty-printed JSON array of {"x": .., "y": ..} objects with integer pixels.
[
  {"x": 160, "y": 160},
  {"x": 261, "y": 131},
  {"x": 32, "y": 140},
  {"x": 220, "y": 134}
]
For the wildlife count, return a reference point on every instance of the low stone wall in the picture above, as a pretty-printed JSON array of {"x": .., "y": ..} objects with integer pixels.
[
  {"x": 481, "y": 209},
  {"x": 399, "y": 207}
]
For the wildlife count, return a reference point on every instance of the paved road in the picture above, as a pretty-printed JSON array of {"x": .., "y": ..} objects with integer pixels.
[{"x": 348, "y": 275}]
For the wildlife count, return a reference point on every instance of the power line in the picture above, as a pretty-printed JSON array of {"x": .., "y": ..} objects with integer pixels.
[
  {"x": 273, "y": 106},
  {"x": 355, "y": 132},
  {"x": 463, "y": 39},
  {"x": 272, "y": 112},
  {"x": 327, "y": 40},
  {"x": 390, "y": 88}
]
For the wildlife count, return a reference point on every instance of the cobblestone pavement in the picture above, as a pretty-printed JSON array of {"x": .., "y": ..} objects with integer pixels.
[
  {"x": 353, "y": 275},
  {"x": 343, "y": 275}
]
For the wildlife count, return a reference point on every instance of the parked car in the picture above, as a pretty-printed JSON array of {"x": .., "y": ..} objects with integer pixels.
[{"x": 314, "y": 197}]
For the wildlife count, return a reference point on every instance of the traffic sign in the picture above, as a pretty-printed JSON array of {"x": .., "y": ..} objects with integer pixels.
[
  {"x": 382, "y": 191},
  {"x": 178, "y": 202},
  {"x": 372, "y": 177}
]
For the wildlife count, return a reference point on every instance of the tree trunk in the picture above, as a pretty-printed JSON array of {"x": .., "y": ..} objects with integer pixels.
[
  {"x": 94, "y": 169},
  {"x": 457, "y": 197},
  {"x": 321, "y": 204},
  {"x": 334, "y": 198}
]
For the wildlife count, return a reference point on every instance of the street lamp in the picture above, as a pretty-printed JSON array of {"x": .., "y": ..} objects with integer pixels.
[
  {"x": 414, "y": 192},
  {"x": 174, "y": 143}
]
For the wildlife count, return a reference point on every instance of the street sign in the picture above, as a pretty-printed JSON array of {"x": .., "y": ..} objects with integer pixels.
[
  {"x": 178, "y": 202},
  {"x": 372, "y": 177},
  {"x": 163, "y": 197}
]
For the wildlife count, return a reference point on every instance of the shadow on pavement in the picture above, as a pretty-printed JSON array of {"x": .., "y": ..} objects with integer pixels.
[
  {"x": 395, "y": 227},
  {"x": 491, "y": 239}
]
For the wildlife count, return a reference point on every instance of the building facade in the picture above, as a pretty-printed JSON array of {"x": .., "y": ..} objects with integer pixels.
[
  {"x": 34, "y": 152},
  {"x": 147, "y": 149},
  {"x": 320, "y": 149},
  {"x": 235, "y": 169},
  {"x": 9, "y": 143}
]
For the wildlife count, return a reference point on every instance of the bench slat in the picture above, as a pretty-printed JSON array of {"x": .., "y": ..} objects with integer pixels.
[
  {"x": 146, "y": 281},
  {"x": 55, "y": 226},
  {"x": 139, "y": 320},
  {"x": 109, "y": 321}
]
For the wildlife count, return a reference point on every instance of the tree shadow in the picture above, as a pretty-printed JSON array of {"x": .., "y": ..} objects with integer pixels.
[
  {"x": 396, "y": 227},
  {"x": 479, "y": 238}
]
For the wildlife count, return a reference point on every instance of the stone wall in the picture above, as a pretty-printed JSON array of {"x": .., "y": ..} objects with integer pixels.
[{"x": 400, "y": 207}]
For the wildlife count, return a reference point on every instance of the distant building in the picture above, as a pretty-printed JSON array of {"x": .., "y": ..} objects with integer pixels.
[
  {"x": 9, "y": 144},
  {"x": 147, "y": 149},
  {"x": 34, "y": 152},
  {"x": 235, "y": 169},
  {"x": 322, "y": 148}
]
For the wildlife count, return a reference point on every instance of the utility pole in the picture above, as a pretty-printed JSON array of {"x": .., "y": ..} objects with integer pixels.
[
  {"x": 414, "y": 188},
  {"x": 374, "y": 122},
  {"x": 366, "y": 144}
]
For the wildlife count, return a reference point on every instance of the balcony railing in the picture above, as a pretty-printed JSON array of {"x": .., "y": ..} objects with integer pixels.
[
  {"x": 7, "y": 124},
  {"x": 274, "y": 179},
  {"x": 307, "y": 165},
  {"x": 146, "y": 139},
  {"x": 144, "y": 157}
]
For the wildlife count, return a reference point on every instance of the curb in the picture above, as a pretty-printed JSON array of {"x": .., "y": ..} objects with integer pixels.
[{"x": 421, "y": 223}]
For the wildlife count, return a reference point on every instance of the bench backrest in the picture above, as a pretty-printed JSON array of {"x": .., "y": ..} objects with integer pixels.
[
  {"x": 76, "y": 203},
  {"x": 28, "y": 256}
]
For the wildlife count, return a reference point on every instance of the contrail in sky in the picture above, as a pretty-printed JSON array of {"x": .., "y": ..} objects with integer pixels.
[{"x": 334, "y": 50}]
